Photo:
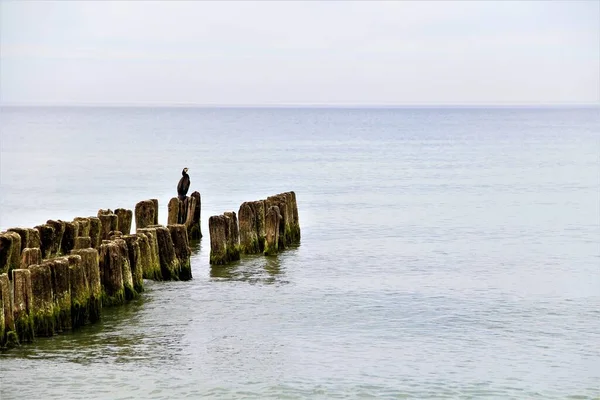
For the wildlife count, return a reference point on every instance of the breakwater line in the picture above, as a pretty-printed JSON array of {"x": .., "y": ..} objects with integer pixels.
[
  {"x": 59, "y": 276},
  {"x": 260, "y": 227}
]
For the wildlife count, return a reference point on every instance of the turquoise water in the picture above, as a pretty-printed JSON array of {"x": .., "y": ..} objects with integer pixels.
[{"x": 446, "y": 253}]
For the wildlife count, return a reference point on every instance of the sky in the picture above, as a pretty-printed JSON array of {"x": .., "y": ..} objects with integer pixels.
[{"x": 299, "y": 53}]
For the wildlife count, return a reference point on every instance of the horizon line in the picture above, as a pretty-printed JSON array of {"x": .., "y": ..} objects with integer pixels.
[{"x": 300, "y": 105}]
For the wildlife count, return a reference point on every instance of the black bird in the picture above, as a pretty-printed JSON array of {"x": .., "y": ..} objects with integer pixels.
[{"x": 183, "y": 185}]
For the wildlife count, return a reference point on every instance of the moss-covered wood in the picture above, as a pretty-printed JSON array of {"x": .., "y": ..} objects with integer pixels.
[
  {"x": 182, "y": 249},
  {"x": 152, "y": 268},
  {"x": 9, "y": 336},
  {"x": 46, "y": 239},
  {"x": 59, "y": 230},
  {"x": 124, "y": 216},
  {"x": 82, "y": 242},
  {"x": 130, "y": 292},
  {"x": 84, "y": 225},
  {"x": 248, "y": 230},
  {"x": 30, "y": 257},
  {"x": 22, "y": 305},
  {"x": 217, "y": 227},
  {"x": 155, "y": 203},
  {"x": 91, "y": 268},
  {"x": 135, "y": 261},
  {"x": 61, "y": 289},
  {"x": 273, "y": 219},
  {"x": 45, "y": 312},
  {"x": 33, "y": 238},
  {"x": 80, "y": 292},
  {"x": 169, "y": 264},
  {"x": 146, "y": 212},
  {"x": 68, "y": 241},
  {"x": 95, "y": 232},
  {"x": 233, "y": 236},
  {"x": 5, "y": 252},
  {"x": 24, "y": 234},
  {"x": 109, "y": 222},
  {"x": 111, "y": 274}
]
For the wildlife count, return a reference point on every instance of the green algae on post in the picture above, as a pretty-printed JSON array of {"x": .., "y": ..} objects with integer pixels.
[
  {"x": 182, "y": 249},
  {"x": 22, "y": 305},
  {"x": 24, "y": 234},
  {"x": 248, "y": 230},
  {"x": 135, "y": 261},
  {"x": 130, "y": 292},
  {"x": 80, "y": 292},
  {"x": 109, "y": 223},
  {"x": 82, "y": 242},
  {"x": 111, "y": 274},
  {"x": 9, "y": 337},
  {"x": 10, "y": 258},
  {"x": 84, "y": 225},
  {"x": 5, "y": 252},
  {"x": 152, "y": 269},
  {"x": 273, "y": 219},
  {"x": 62, "y": 291},
  {"x": 91, "y": 268},
  {"x": 45, "y": 311},
  {"x": 169, "y": 264}
]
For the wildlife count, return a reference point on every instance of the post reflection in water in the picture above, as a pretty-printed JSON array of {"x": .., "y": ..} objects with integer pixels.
[{"x": 251, "y": 269}]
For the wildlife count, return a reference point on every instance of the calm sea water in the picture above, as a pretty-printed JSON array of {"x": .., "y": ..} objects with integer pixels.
[{"x": 446, "y": 253}]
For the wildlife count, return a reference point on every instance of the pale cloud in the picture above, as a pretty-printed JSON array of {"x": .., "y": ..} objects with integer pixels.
[{"x": 394, "y": 52}]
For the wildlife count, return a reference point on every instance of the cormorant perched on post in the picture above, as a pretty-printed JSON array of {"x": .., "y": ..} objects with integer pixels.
[{"x": 183, "y": 185}]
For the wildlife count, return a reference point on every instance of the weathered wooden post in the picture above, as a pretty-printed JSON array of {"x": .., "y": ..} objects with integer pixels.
[
  {"x": 273, "y": 219},
  {"x": 91, "y": 268},
  {"x": 182, "y": 213},
  {"x": 22, "y": 305},
  {"x": 109, "y": 222},
  {"x": 95, "y": 232},
  {"x": 152, "y": 270},
  {"x": 115, "y": 235},
  {"x": 233, "y": 236},
  {"x": 135, "y": 261},
  {"x": 80, "y": 292},
  {"x": 61, "y": 289},
  {"x": 279, "y": 200},
  {"x": 10, "y": 252},
  {"x": 84, "y": 225},
  {"x": 193, "y": 216},
  {"x": 145, "y": 256},
  {"x": 71, "y": 231},
  {"x": 124, "y": 217},
  {"x": 182, "y": 249},
  {"x": 296, "y": 226},
  {"x": 145, "y": 213},
  {"x": 5, "y": 252},
  {"x": 46, "y": 239},
  {"x": 173, "y": 211},
  {"x": 59, "y": 230},
  {"x": 248, "y": 230},
  {"x": 33, "y": 239},
  {"x": 217, "y": 227},
  {"x": 130, "y": 292},
  {"x": 82, "y": 242},
  {"x": 30, "y": 257},
  {"x": 155, "y": 203},
  {"x": 111, "y": 273},
  {"x": 44, "y": 310},
  {"x": 9, "y": 337},
  {"x": 169, "y": 264},
  {"x": 24, "y": 234}
]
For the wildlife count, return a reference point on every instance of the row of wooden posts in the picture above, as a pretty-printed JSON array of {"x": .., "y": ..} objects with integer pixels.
[
  {"x": 265, "y": 227},
  {"x": 58, "y": 276}
]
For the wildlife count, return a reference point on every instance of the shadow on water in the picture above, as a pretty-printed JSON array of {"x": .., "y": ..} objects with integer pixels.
[{"x": 254, "y": 269}]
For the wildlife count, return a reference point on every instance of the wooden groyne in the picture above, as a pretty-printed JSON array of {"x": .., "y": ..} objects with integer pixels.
[
  {"x": 59, "y": 276},
  {"x": 265, "y": 227}
]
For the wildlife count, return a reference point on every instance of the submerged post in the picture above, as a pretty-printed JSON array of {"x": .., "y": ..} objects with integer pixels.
[
  {"x": 248, "y": 230},
  {"x": 152, "y": 268},
  {"x": 111, "y": 273},
  {"x": 130, "y": 292},
  {"x": 169, "y": 264},
  {"x": 61, "y": 290},
  {"x": 135, "y": 261},
  {"x": 80, "y": 293},
  {"x": 193, "y": 216},
  {"x": 273, "y": 219},
  {"x": 224, "y": 238}
]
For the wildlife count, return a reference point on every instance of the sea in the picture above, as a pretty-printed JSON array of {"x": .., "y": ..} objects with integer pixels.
[{"x": 446, "y": 252}]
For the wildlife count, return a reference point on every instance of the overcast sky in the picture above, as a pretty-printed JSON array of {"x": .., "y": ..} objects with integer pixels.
[{"x": 266, "y": 53}]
